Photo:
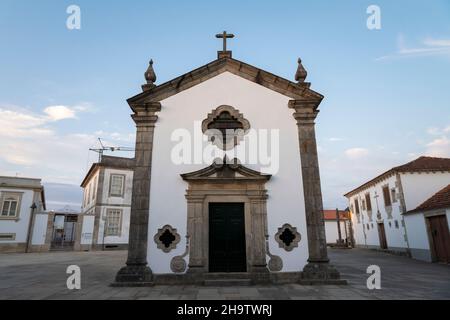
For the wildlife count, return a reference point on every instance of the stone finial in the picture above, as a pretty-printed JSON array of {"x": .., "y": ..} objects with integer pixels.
[
  {"x": 150, "y": 77},
  {"x": 301, "y": 73}
]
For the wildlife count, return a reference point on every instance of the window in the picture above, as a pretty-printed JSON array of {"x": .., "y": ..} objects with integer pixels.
[
  {"x": 356, "y": 206},
  {"x": 95, "y": 189},
  {"x": 386, "y": 196},
  {"x": 7, "y": 236},
  {"x": 10, "y": 205},
  {"x": 368, "y": 202},
  {"x": 116, "y": 185},
  {"x": 113, "y": 222},
  {"x": 363, "y": 204},
  {"x": 393, "y": 195},
  {"x": 88, "y": 197},
  {"x": 396, "y": 224}
]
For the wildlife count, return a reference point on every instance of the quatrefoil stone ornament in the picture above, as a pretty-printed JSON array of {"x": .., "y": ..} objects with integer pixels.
[
  {"x": 167, "y": 238},
  {"x": 287, "y": 237}
]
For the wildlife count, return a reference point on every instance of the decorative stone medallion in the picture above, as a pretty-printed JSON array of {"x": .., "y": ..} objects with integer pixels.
[
  {"x": 167, "y": 238},
  {"x": 225, "y": 127},
  {"x": 287, "y": 237}
]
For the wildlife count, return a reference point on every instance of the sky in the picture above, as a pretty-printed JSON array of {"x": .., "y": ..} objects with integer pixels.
[{"x": 387, "y": 91}]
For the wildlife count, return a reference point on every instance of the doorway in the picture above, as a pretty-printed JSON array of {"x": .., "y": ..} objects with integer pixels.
[
  {"x": 227, "y": 237},
  {"x": 440, "y": 238},
  {"x": 382, "y": 236}
]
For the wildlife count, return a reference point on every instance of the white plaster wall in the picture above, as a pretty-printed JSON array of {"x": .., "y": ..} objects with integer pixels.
[
  {"x": 40, "y": 228},
  {"x": 264, "y": 109},
  {"x": 418, "y": 187},
  {"x": 20, "y": 226},
  {"x": 415, "y": 224},
  {"x": 394, "y": 236},
  {"x": 331, "y": 231},
  {"x": 87, "y": 229}
]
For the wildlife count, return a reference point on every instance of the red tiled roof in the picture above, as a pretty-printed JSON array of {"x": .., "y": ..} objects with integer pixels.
[
  {"x": 421, "y": 164},
  {"x": 425, "y": 164},
  {"x": 439, "y": 200},
  {"x": 331, "y": 215}
]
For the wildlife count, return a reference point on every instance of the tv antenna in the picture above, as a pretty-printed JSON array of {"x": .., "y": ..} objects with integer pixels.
[{"x": 108, "y": 148}]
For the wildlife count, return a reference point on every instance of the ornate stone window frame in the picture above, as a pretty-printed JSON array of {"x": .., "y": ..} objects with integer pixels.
[
  {"x": 238, "y": 135},
  {"x": 160, "y": 244},
  {"x": 294, "y": 242}
]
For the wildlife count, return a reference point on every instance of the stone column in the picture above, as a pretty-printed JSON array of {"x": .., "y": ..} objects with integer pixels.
[
  {"x": 136, "y": 270},
  {"x": 318, "y": 269}
]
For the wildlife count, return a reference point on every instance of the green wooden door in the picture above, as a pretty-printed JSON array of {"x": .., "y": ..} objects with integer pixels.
[{"x": 227, "y": 237}]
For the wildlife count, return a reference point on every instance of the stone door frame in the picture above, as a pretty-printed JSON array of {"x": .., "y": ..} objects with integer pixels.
[{"x": 248, "y": 189}]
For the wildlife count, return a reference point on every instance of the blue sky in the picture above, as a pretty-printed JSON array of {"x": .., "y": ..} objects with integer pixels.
[{"x": 387, "y": 92}]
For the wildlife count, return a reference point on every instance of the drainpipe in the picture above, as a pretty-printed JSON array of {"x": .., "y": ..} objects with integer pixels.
[{"x": 30, "y": 227}]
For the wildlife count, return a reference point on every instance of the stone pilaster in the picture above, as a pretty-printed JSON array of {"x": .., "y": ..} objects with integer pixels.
[
  {"x": 136, "y": 271},
  {"x": 258, "y": 213},
  {"x": 318, "y": 269}
]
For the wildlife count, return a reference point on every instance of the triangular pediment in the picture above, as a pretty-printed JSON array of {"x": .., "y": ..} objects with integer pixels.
[
  {"x": 297, "y": 91},
  {"x": 221, "y": 171}
]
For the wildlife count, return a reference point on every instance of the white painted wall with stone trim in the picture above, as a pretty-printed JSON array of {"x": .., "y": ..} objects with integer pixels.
[
  {"x": 112, "y": 202},
  {"x": 368, "y": 235},
  {"x": 417, "y": 187},
  {"x": 264, "y": 109}
]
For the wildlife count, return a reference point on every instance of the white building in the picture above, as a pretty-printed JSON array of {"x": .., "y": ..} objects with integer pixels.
[
  {"x": 106, "y": 204},
  {"x": 428, "y": 228},
  {"x": 333, "y": 229},
  {"x": 23, "y": 220},
  {"x": 193, "y": 214},
  {"x": 377, "y": 206}
]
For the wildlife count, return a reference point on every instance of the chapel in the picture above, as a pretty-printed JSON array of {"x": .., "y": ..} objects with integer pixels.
[{"x": 226, "y": 183}]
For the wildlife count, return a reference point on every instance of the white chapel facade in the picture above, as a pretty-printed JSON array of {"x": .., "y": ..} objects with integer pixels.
[{"x": 228, "y": 214}]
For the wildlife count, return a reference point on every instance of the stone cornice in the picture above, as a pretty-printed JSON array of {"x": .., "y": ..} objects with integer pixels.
[
  {"x": 225, "y": 173},
  {"x": 305, "y": 110},
  {"x": 298, "y": 91},
  {"x": 144, "y": 113}
]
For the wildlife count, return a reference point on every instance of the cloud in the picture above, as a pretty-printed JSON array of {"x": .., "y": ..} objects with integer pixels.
[
  {"x": 439, "y": 147},
  {"x": 335, "y": 139},
  {"x": 32, "y": 145},
  {"x": 428, "y": 47},
  {"x": 356, "y": 153},
  {"x": 56, "y": 113}
]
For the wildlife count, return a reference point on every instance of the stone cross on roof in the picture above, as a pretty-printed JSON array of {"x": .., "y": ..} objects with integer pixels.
[{"x": 224, "y": 35}]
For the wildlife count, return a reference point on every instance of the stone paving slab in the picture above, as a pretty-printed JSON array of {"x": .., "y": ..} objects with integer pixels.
[{"x": 43, "y": 276}]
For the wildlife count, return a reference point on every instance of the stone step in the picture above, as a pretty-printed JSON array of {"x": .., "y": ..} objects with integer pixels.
[
  {"x": 227, "y": 282},
  {"x": 226, "y": 275}
]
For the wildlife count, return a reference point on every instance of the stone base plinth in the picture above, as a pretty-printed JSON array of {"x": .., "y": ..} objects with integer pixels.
[
  {"x": 134, "y": 275},
  {"x": 321, "y": 273}
]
